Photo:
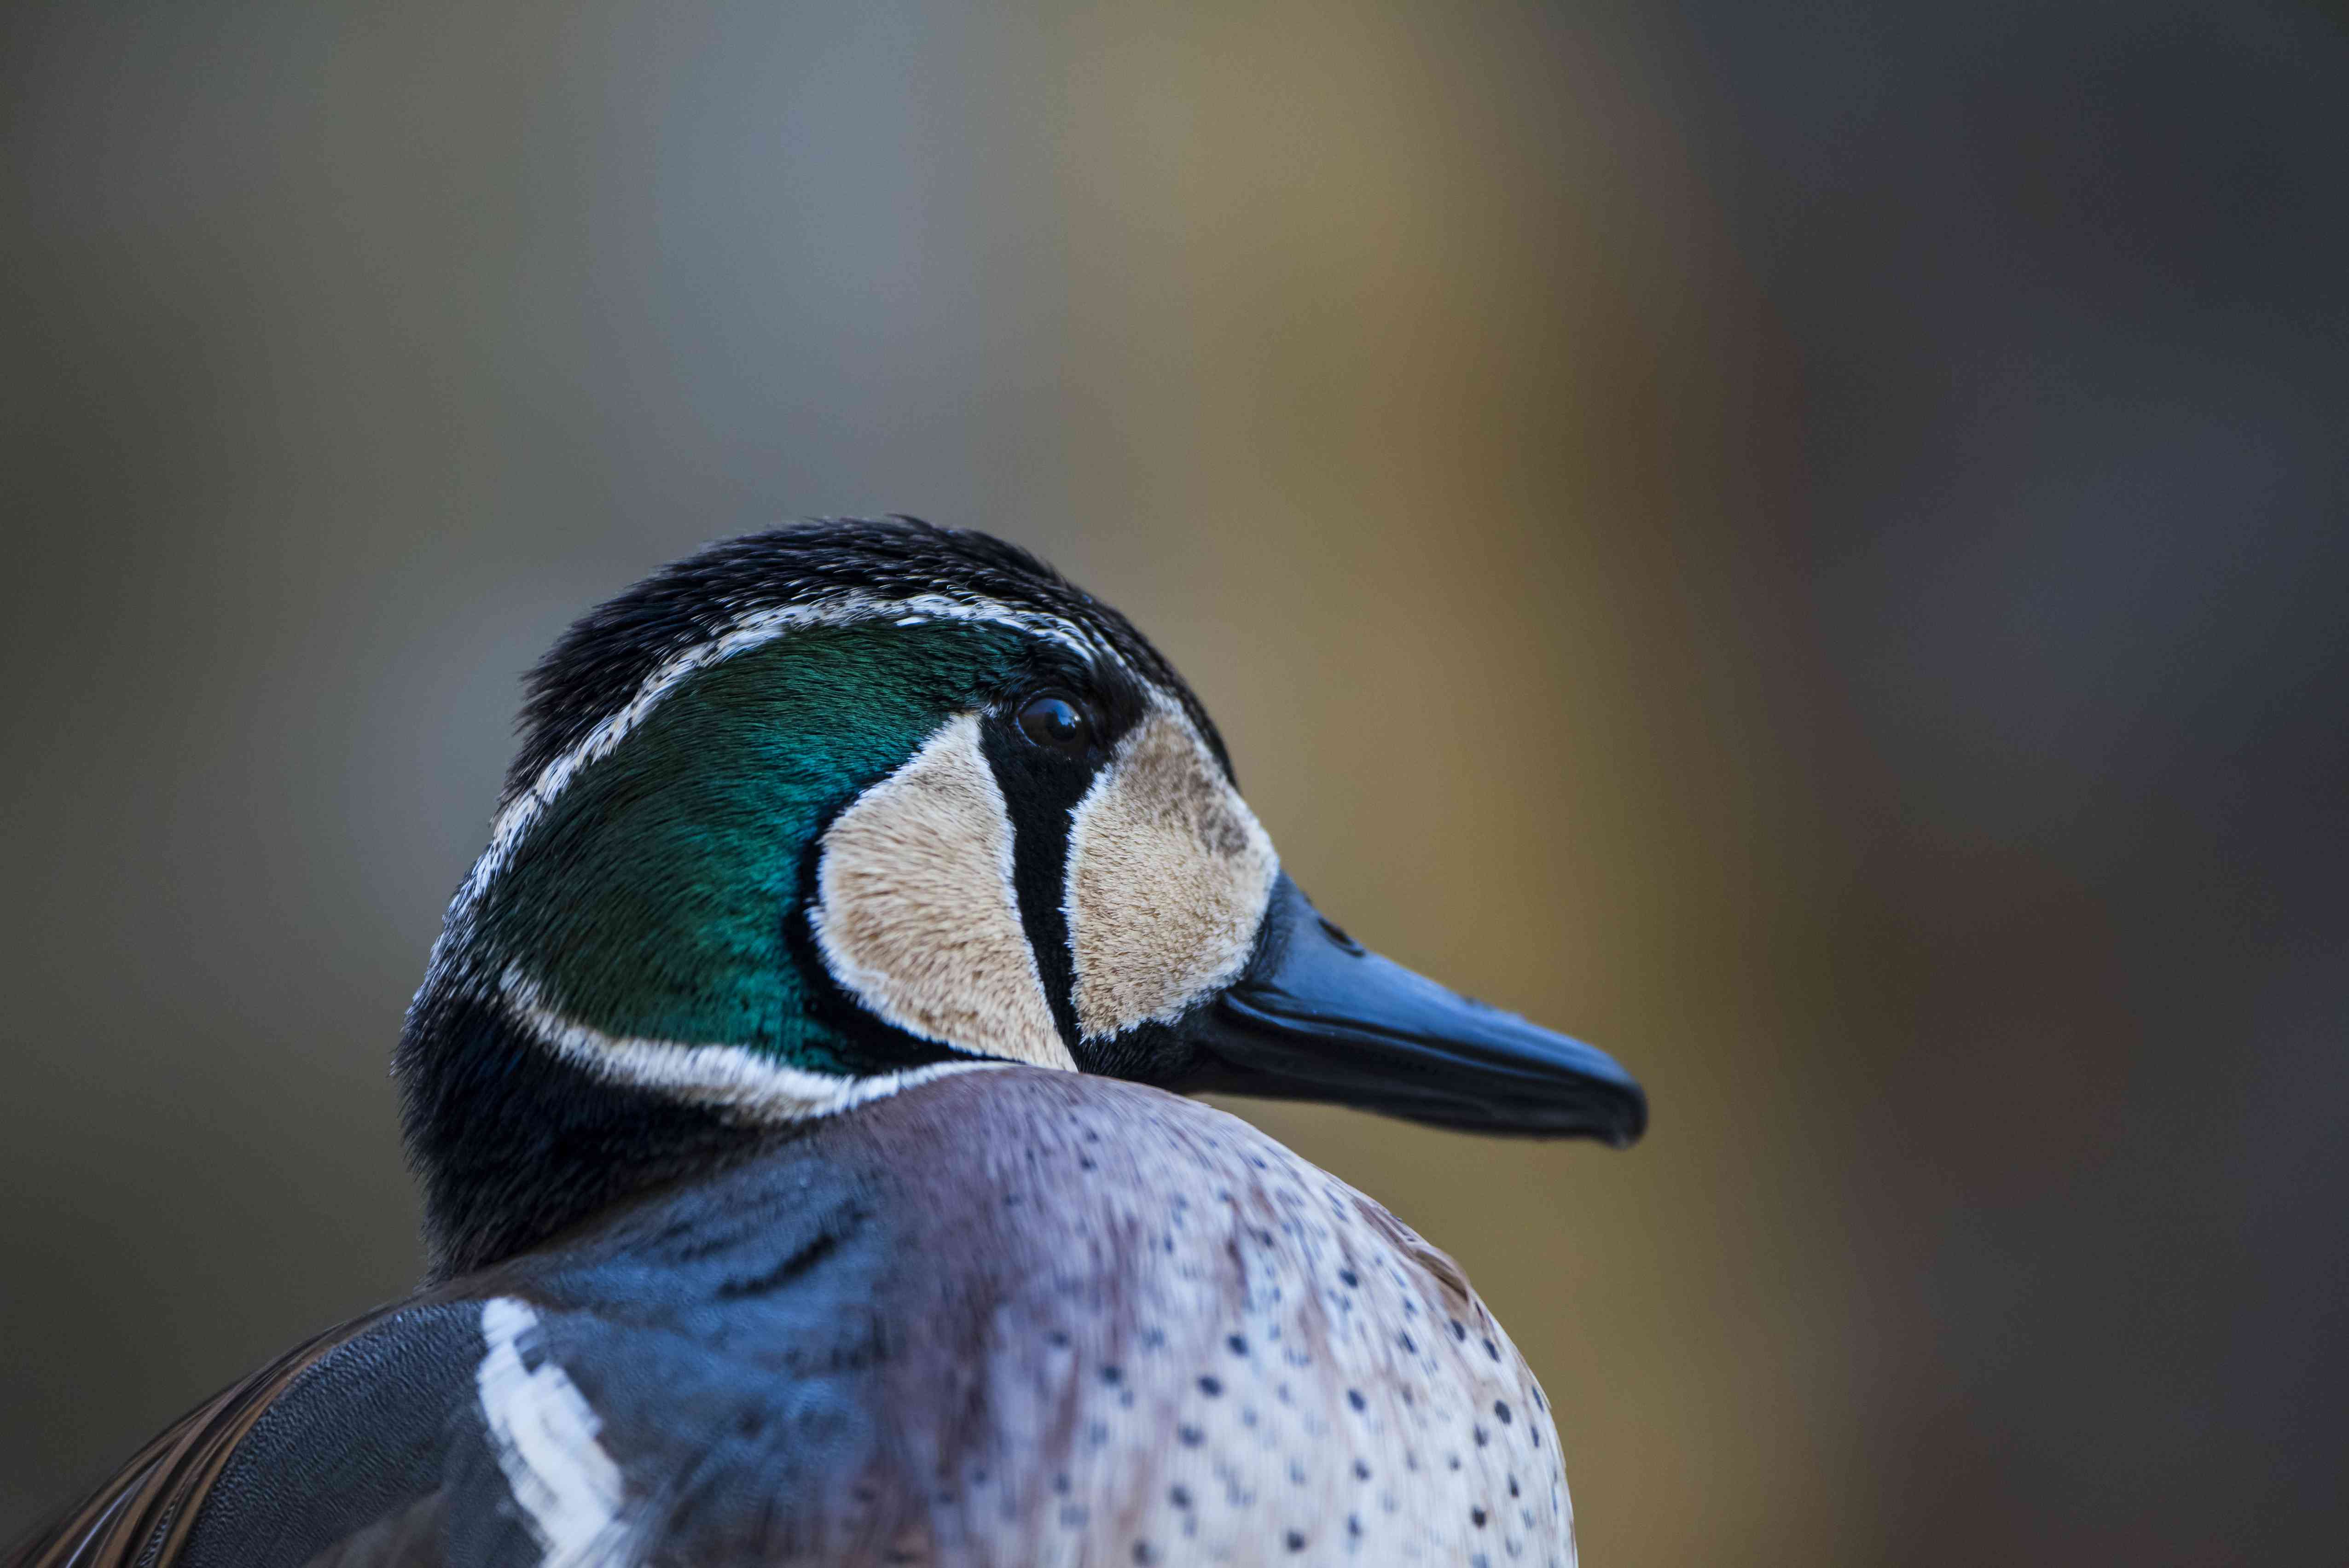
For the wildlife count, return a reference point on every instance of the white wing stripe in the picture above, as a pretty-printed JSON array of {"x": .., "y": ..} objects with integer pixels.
[{"x": 546, "y": 1434}]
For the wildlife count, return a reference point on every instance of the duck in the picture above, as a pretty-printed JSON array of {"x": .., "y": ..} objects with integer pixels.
[{"x": 802, "y": 1093}]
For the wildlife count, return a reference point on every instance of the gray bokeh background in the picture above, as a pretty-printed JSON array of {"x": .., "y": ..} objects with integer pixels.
[{"x": 1805, "y": 543}]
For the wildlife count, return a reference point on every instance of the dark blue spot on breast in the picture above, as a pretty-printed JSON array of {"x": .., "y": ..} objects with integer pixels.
[
  {"x": 1481, "y": 1438},
  {"x": 1142, "y": 1554},
  {"x": 1210, "y": 1387},
  {"x": 1459, "y": 1331},
  {"x": 1180, "y": 1496},
  {"x": 1295, "y": 1540},
  {"x": 1238, "y": 1345},
  {"x": 1492, "y": 1350},
  {"x": 1351, "y": 1278},
  {"x": 1477, "y": 1516},
  {"x": 1410, "y": 1346},
  {"x": 1501, "y": 1409},
  {"x": 1354, "y": 1397},
  {"x": 1191, "y": 1435},
  {"x": 1362, "y": 1471},
  {"x": 1112, "y": 1373}
]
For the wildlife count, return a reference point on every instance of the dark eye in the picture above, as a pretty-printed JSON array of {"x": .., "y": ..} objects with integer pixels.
[{"x": 1057, "y": 724}]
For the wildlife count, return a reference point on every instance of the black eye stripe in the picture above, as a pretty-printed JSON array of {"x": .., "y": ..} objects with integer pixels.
[{"x": 1040, "y": 790}]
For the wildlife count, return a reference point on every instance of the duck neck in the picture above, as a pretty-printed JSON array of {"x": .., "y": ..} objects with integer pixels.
[{"x": 513, "y": 1145}]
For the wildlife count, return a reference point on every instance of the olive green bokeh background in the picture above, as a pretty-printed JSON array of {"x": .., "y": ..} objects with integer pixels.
[{"x": 1801, "y": 544}]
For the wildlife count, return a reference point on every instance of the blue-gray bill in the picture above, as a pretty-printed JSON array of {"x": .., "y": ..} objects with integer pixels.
[{"x": 1317, "y": 1016}]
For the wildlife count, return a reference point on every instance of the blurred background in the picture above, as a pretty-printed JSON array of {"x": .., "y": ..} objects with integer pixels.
[{"x": 1806, "y": 543}]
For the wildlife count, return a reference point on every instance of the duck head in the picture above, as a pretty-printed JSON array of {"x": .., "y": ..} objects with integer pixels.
[{"x": 824, "y": 812}]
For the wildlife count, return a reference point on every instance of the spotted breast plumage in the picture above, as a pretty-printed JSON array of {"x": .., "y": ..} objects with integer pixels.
[{"x": 798, "y": 1092}]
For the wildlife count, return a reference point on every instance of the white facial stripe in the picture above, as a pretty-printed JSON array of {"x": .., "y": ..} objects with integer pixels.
[
  {"x": 728, "y": 1078},
  {"x": 750, "y": 631},
  {"x": 916, "y": 912},
  {"x": 1168, "y": 876},
  {"x": 545, "y": 1433}
]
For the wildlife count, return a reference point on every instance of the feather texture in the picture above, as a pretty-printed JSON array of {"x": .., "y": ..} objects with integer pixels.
[{"x": 1019, "y": 1318}]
